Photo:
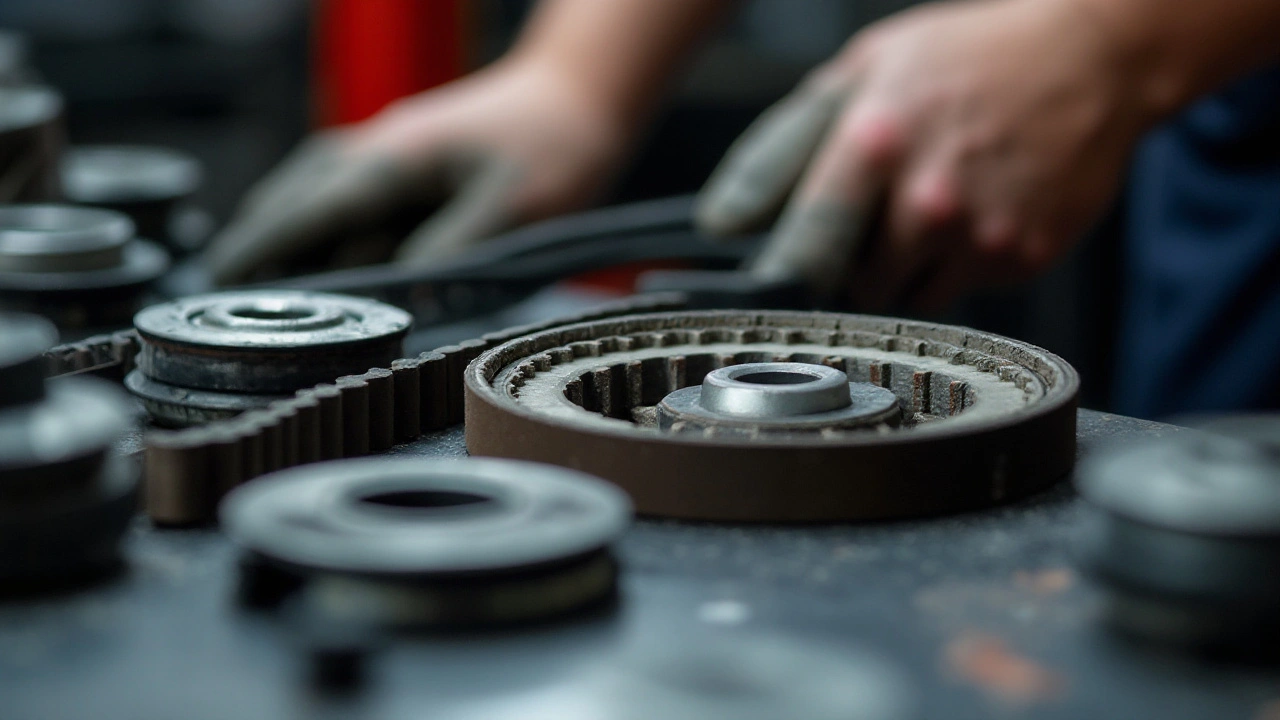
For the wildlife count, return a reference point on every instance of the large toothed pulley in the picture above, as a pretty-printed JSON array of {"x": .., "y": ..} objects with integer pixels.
[
  {"x": 781, "y": 416},
  {"x": 214, "y": 356},
  {"x": 431, "y": 543},
  {"x": 1184, "y": 533},
  {"x": 65, "y": 500},
  {"x": 81, "y": 267}
]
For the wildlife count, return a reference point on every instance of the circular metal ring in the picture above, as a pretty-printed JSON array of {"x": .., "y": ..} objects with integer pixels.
[
  {"x": 773, "y": 390},
  {"x": 985, "y": 419},
  {"x": 426, "y": 542},
  {"x": 180, "y": 407},
  {"x": 61, "y": 238},
  {"x": 26, "y": 338},
  {"x": 267, "y": 341}
]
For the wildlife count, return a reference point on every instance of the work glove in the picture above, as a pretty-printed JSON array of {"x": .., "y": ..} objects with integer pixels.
[
  {"x": 950, "y": 147},
  {"x": 510, "y": 144}
]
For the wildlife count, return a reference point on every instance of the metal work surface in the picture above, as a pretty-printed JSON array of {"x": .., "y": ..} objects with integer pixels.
[{"x": 982, "y": 611}]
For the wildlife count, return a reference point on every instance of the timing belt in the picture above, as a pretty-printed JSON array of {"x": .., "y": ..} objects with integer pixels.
[{"x": 186, "y": 472}]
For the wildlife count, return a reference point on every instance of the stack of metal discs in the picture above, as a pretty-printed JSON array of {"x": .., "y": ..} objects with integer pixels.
[
  {"x": 146, "y": 183},
  {"x": 65, "y": 500},
  {"x": 214, "y": 356},
  {"x": 30, "y": 142},
  {"x": 80, "y": 267},
  {"x": 1184, "y": 534},
  {"x": 429, "y": 544}
]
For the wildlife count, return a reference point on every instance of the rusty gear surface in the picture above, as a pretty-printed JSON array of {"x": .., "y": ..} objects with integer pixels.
[{"x": 985, "y": 419}]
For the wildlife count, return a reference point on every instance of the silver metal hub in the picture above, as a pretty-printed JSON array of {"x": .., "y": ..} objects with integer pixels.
[{"x": 772, "y": 390}]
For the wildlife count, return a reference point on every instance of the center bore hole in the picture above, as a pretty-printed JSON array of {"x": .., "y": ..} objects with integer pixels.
[
  {"x": 425, "y": 499},
  {"x": 774, "y": 377},
  {"x": 257, "y": 312}
]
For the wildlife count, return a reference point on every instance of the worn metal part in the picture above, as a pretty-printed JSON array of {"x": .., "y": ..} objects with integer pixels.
[
  {"x": 754, "y": 398},
  {"x": 332, "y": 421},
  {"x": 78, "y": 266},
  {"x": 1185, "y": 535},
  {"x": 719, "y": 674},
  {"x": 144, "y": 182},
  {"x": 432, "y": 543},
  {"x": 986, "y": 419},
  {"x": 31, "y": 139},
  {"x": 64, "y": 503},
  {"x": 211, "y": 357}
]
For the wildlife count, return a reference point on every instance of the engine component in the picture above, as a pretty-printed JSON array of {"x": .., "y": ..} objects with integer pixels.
[
  {"x": 215, "y": 356},
  {"x": 80, "y": 267},
  {"x": 1184, "y": 533},
  {"x": 64, "y": 501},
  {"x": 146, "y": 183},
  {"x": 30, "y": 141},
  {"x": 985, "y": 419},
  {"x": 434, "y": 543},
  {"x": 744, "y": 676}
]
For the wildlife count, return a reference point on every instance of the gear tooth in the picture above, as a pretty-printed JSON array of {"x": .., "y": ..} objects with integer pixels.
[
  {"x": 676, "y": 372},
  {"x": 287, "y": 415},
  {"x": 381, "y": 409},
  {"x": 634, "y": 376},
  {"x": 355, "y": 415},
  {"x": 921, "y": 391},
  {"x": 406, "y": 383},
  {"x": 958, "y": 399},
  {"x": 573, "y": 391},
  {"x": 309, "y": 438},
  {"x": 177, "y": 483},
  {"x": 329, "y": 398}
]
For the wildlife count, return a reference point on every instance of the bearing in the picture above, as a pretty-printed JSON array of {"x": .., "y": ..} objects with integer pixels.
[{"x": 430, "y": 543}]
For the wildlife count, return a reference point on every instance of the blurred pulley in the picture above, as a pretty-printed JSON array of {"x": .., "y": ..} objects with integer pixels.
[
  {"x": 213, "y": 356},
  {"x": 80, "y": 267},
  {"x": 1185, "y": 535},
  {"x": 431, "y": 543},
  {"x": 780, "y": 416},
  {"x": 64, "y": 499},
  {"x": 149, "y": 184}
]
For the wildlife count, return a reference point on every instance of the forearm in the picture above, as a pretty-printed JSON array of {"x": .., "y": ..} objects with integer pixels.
[
  {"x": 622, "y": 51},
  {"x": 1181, "y": 49}
]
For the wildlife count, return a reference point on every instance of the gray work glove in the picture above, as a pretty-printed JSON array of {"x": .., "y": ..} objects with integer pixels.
[{"x": 508, "y": 145}]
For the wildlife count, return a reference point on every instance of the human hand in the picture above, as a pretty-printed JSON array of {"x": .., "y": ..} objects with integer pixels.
[
  {"x": 510, "y": 144},
  {"x": 993, "y": 133}
]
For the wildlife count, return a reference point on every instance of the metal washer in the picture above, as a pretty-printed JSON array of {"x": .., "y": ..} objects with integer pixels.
[{"x": 430, "y": 542}]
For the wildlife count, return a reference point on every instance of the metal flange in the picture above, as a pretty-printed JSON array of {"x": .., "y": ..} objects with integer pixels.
[
  {"x": 435, "y": 542},
  {"x": 985, "y": 419}
]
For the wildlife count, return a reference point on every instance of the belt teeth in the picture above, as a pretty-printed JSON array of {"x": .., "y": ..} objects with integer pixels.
[
  {"x": 407, "y": 398},
  {"x": 355, "y": 415},
  {"x": 381, "y": 409}
]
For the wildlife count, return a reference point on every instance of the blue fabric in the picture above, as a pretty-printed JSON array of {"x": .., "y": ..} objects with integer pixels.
[{"x": 1201, "y": 322}]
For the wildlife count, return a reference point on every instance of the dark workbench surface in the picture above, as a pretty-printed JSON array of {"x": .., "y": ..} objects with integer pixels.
[{"x": 983, "y": 611}]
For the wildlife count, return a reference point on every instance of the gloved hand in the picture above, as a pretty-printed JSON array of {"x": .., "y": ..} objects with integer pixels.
[
  {"x": 510, "y": 144},
  {"x": 992, "y": 133}
]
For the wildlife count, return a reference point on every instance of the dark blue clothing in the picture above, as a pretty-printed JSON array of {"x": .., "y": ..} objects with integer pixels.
[{"x": 1201, "y": 323}]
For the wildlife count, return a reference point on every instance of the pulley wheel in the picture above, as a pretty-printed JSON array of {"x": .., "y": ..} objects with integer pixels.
[{"x": 849, "y": 417}]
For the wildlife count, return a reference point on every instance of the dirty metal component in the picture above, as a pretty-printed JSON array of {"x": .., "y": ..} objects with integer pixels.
[
  {"x": 1185, "y": 535},
  {"x": 64, "y": 502},
  {"x": 713, "y": 674},
  {"x": 31, "y": 138},
  {"x": 239, "y": 444},
  {"x": 430, "y": 543},
  {"x": 78, "y": 266},
  {"x": 985, "y": 419},
  {"x": 754, "y": 398},
  {"x": 144, "y": 182},
  {"x": 213, "y": 356}
]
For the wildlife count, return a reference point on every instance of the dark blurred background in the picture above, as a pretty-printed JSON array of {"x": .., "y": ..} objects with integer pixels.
[{"x": 238, "y": 82}]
